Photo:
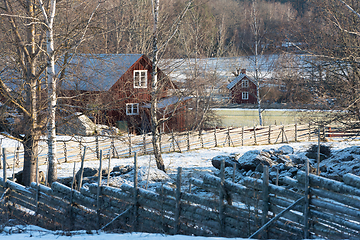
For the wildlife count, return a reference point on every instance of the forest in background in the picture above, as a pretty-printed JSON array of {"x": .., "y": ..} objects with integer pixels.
[{"x": 211, "y": 28}]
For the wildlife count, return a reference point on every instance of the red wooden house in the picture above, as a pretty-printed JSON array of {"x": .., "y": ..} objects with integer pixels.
[
  {"x": 119, "y": 85},
  {"x": 243, "y": 89}
]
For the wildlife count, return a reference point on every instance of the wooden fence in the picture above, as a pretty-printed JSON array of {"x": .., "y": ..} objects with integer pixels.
[
  {"x": 306, "y": 207},
  {"x": 125, "y": 146}
]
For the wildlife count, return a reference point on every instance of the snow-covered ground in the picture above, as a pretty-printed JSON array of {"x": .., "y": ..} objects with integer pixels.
[
  {"x": 34, "y": 232},
  {"x": 194, "y": 163}
]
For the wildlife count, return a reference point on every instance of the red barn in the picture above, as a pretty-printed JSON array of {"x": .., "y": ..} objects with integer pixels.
[
  {"x": 119, "y": 85},
  {"x": 243, "y": 89}
]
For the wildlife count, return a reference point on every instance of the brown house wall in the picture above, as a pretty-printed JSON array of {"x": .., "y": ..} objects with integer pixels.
[
  {"x": 236, "y": 93},
  {"x": 113, "y": 102}
]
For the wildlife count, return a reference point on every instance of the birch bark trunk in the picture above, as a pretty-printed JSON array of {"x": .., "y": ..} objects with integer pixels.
[
  {"x": 51, "y": 126},
  {"x": 154, "y": 93}
]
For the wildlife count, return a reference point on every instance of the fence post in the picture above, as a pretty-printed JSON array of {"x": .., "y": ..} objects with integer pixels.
[
  {"x": 80, "y": 149},
  {"x": 215, "y": 138},
  {"x": 108, "y": 172},
  {"x": 201, "y": 139},
  {"x": 221, "y": 200},
  {"x": 144, "y": 142},
  {"x": 228, "y": 136},
  {"x": 242, "y": 136},
  {"x": 130, "y": 152},
  {"x": 4, "y": 166},
  {"x": 71, "y": 198},
  {"x": 309, "y": 131},
  {"x": 307, "y": 200},
  {"x": 269, "y": 135},
  {"x": 265, "y": 192},
  {"x": 112, "y": 147},
  {"x": 81, "y": 169},
  {"x": 255, "y": 140},
  {"x": 173, "y": 140},
  {"x": 188, "y": 140},
  {"x": 296, "y": 133},
  {"x": 97, "y": 147},
  {"x": 136, "y": 200},
  {"x": 65, "y": 153},
  {"x": 98, "y": 203},
  {"x": 37, "y": 187},
  {"x": 178, "y": 200}
]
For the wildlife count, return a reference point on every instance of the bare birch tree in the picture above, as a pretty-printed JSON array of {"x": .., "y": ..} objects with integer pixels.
[
  {"x": 155, "y": 82},
  {"x": 30, "y": 26},
  {"x": 49, "y": 18}
]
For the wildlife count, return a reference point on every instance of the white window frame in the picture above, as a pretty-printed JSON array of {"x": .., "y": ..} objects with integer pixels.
[
  {"x": 130, "y": 109},
  {"x": 245, "y": 95},
  {"x": 138, "y": 83},
  {"x": 245, "y": 83}
]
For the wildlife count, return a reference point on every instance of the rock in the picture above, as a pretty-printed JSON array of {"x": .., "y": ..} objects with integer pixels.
[
  {"x": 251, "y": 159},
  {"x": 323, "y": 168},
  {"x": 229, "y": 161},
  {"x": 283, "y": 159},
  {"x": 286, "y": 149},
  {"x": 89, "y": 175},
  {"x": 296, "y": 159},
  {"x": 152, "y": 174},
  {"x": 19, "y": 177},
  {"x": 122, "y": 169},
  {"x": 293, "y": 171},
  {"x": 325, "y": 152}
]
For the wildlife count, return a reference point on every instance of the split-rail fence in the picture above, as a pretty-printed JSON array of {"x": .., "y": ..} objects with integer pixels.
[
  {"x": 70, "y": 149},
  {"x": 309, "y": 206}
]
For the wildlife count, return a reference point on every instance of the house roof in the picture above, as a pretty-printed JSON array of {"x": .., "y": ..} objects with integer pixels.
[
  {"x": 238, "y": 79},
  {"x": 97, "y": 72}
]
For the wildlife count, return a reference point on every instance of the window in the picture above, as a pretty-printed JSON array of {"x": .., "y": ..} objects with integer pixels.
[
  {"x": 140, "y": 78},
  {"x": 245, "y": 84},
  {"x": 132, "y": 109},
  {"x": 245, "y": 95}
]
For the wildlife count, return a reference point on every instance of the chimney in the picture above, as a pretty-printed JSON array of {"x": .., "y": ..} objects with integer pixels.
[{"x": 243, "y": 70}]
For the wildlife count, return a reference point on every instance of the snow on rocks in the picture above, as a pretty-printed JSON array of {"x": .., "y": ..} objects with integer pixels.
[
  {"x": 344, "y": 161},
  {"x": 281, "y": 162}
]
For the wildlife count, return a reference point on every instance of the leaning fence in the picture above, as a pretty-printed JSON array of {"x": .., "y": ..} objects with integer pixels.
[
  {"x": 306, "y": 207},
  {"x": 71, "y": 148}
]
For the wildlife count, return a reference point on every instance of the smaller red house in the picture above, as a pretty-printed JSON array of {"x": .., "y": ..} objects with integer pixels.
[{"x": 243, "y": 89}]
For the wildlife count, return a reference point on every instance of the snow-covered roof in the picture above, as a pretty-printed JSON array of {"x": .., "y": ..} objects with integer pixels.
[
  {"x": 238, "y": 79},
  {"x": 97, "y": 72}
]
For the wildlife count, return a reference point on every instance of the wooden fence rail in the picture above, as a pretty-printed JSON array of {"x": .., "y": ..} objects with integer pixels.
[
  {"x": 71, "y": 150},
  {"x": 250, "y": 207}
]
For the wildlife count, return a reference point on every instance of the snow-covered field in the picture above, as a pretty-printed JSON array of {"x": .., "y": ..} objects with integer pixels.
[{"x": 194, "y": 163}]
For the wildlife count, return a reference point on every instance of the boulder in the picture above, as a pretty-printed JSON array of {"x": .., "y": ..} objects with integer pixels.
[
  {"x": 122, "y": 169},
  {"x": 285, "y": 150},
  {"x": 229, "y": 161},
  {"x": 251, "y": 159},
  {"x": 283, "y": 159},
  {"x": 19, "y": 176},
  {"x": 89, "y": 174}
]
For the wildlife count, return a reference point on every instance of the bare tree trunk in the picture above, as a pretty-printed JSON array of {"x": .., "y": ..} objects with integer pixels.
[
  {"x": 32, "y": 134},
  {"x": 51, "y": 127},
  {"x": 257, "y": 77},
  {"x": 154, "y": 93}
]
